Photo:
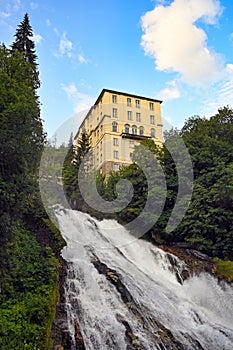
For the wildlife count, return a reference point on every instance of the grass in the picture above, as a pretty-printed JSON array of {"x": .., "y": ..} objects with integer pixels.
[{"x": 224, "y": 269}]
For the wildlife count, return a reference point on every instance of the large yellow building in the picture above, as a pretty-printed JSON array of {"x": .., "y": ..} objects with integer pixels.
[{"x": 116, "y": 123}]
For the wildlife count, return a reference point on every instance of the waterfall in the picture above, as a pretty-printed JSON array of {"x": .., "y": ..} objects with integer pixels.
[{"x": 125, "y": 294}]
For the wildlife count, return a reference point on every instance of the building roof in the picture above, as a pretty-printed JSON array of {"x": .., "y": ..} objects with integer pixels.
[
  {"x": 126, "y": 94},
  {"x": 114, "y": 92}
]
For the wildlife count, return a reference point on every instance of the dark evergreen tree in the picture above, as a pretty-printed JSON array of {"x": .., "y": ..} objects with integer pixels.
[
  {"x": 82, "y": 149},
  {"x": 78, "y": 159},
  {"x": 68, "y": 171},
  {"x": 28, "y": 271},
  {"x": 25, "y": 45}
]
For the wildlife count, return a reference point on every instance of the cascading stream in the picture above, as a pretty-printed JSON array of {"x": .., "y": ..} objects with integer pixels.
[{"x": 125, "y": 294}]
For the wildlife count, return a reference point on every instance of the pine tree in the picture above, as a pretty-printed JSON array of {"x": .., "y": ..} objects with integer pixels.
[
  {"x": 81, "y": 155},
  {"x": 68, "y": 171},
  {"x": 23, "y": 43},
  {"x": 82, "y": 149},
  {"x": 26, "y": 46}
]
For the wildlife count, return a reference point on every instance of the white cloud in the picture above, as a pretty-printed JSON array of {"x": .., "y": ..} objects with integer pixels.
[
  {"x": 177, "y": 44},
  {"x": 80, "y": 100},
  {"x": 169, "y": 93},
  {"x": 230, "y": 68},
  {"x": 4, "y": 14},
  {"x": 84, "y": 102},
  {"x": 218, "y": 96},
  {"x": 34, "y": 5},
  {"x": 65, "y": 46},
  {"x": 37, "y": 38},
  {"x": 70, "y": 90},
  {"x": 82, "y": 59},
  {"x": 56, "y": 31},
  {"x": 48, "y": 22},
  {"x": 16, "y": 5},
  {"x": 10, "y": 7}
]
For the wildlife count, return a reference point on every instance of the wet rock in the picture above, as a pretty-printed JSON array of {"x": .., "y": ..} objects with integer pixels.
[
  {"x": 78, "y": 337},
  {"x": 153, "y": 328},
  {"x": 60, "y": 331},
  {"x": 195, "y": 261}
]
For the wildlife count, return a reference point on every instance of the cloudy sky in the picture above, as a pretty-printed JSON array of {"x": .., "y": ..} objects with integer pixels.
[{"x": 180, "y": 51}]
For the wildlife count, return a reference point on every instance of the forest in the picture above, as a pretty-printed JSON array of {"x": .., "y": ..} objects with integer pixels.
[{"x": 29, "y": 243}]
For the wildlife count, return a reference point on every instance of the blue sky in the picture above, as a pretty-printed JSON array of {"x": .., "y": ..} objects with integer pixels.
[{"x": 180, "y": 51}]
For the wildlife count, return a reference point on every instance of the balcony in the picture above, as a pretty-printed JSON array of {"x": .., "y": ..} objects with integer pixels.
[{"x": 127, "y": 135}]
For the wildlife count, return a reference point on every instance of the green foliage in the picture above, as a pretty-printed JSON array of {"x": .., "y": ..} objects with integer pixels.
[
  {"x": 21, "y": 132},
  {"x": 29, "y": 268},
  {"x": 26, "y": 47},
  {"x": 224, "y": 268},
  {"x": 78, "y": 160},
  {"x": 27, "y": 292},
  {"x": 208, "y": 222}
]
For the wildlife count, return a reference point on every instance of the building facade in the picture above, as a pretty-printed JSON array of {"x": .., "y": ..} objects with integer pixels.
[{"x": 116, "y": 123}]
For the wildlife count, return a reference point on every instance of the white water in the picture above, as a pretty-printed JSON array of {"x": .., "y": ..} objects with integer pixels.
[{"x": 200, "y": 309}]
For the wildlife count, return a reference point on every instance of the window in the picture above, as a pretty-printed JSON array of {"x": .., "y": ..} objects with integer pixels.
[
  {"x": 138, "y": 103},
  {"x": 116, "y": 167},
  {"x": 151, "y": 106},
  {"x": 129, "y": 115},
  {"x": 131, "y": 156},
  {"x": 129, "y": 102},
  {"x": 152, "y": 132},
  {"x": 127, "y": 128},
  {"x": 114, "y": 112},
  {"x": 134, "y": 130},
  {"x": 152, "y": 119},
  {"x": 138, "y": 117},
  {"x": 114, "y": 127},
  {"x": 115, "y": 154},
  {"x": 115, "y": 141},
  {"x": 131, "y": 143},
  {"x": 141, "y": 130},
  {"x": 114, "y": 99}
]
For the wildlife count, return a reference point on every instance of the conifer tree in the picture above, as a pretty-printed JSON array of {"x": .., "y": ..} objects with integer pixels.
[
  {"x": 68, "y": 171},
  {"x": 82, "y": 149},
  {"x": 25, "y": 45}
]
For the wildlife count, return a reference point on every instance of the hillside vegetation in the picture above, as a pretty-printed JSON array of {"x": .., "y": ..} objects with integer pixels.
[
  {"x": 208, "y": 222},
  {"x": 29, "y": 244}
]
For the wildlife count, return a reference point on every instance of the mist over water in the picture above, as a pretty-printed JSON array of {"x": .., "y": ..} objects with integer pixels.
[{"x": 125, "y": 293}]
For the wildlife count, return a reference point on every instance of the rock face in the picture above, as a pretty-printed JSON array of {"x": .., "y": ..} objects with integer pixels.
[
  {"x": 60, "y": 331},
  {"x": 78, "y": 337},
  {"x": 161, "y": 335},
  {"x": 195, "y": 261}
]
